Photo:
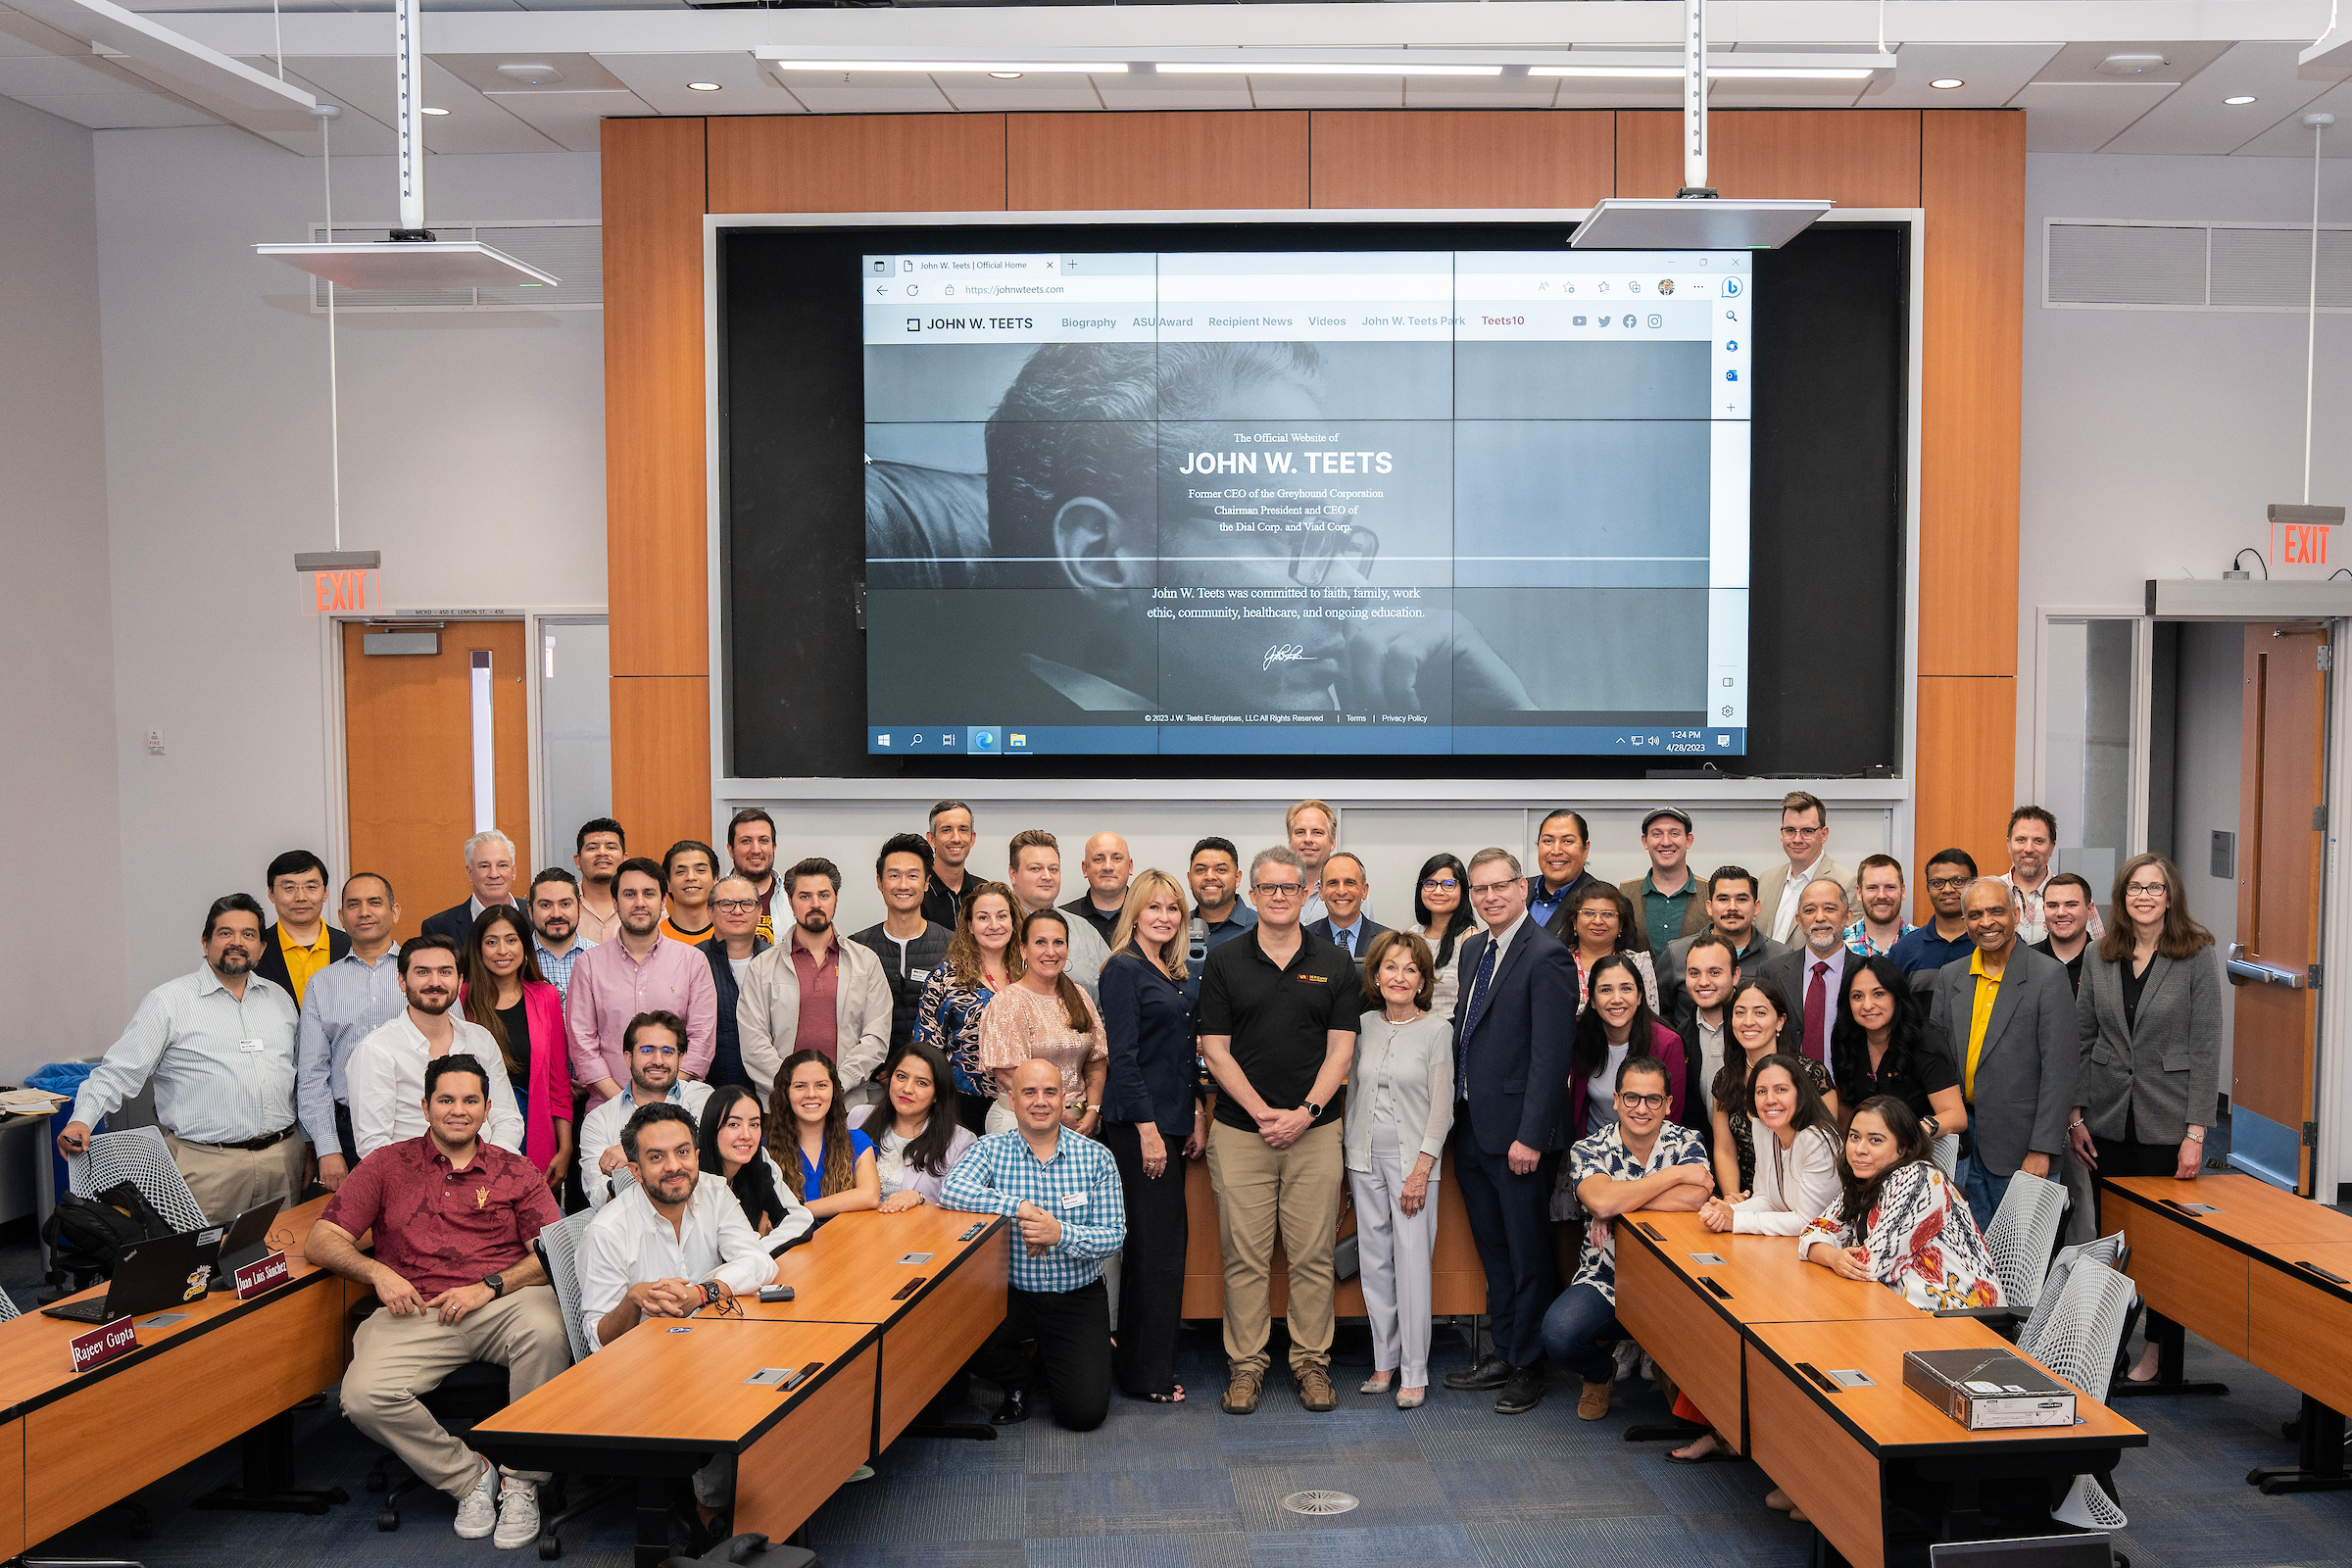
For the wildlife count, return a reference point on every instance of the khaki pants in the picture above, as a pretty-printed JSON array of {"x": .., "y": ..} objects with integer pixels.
[
  {"x": 394, "y": 1359},
  {"x": 1263, "y": 1193},
  {"x": 228, "y": 1181}
]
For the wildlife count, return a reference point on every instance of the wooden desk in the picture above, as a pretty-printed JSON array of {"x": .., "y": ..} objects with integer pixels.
[
  {"x": 849, "y": 1272},
  {"x": 1696, "y": 1332},
  {"x": 2234, "y": 1277},
  {"x": 658, "y": 1401},
  {"x": 225, "y": 1367},
  {"x": 1860, "y": 1460},
  {"x": 12, "y": 1488}
]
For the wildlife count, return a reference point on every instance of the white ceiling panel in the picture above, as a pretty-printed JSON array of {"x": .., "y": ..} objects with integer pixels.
[
  {"x": 2080, "y": 62},
  {"x": 128, "y": 109},
  {"x": 50, "y": 75},
  {"x": 661, "y": 81},
  {"x": 1043, "y": 89},
  {"x": 872, "y": 92},
  {"x": 2292, "y": 138},
  {"x": 571, "y": 120},
  {"x": 1635, "y": 92},
  {"x": 578, "y": 72},
  {"x": 2196, "y": 120},
  {"x": 356, "y": 133},
  {"x": 1479, "y": 92},
  {"x": 1144, "y": 89},
  {"x": 1989, "y": 76},
  {"x": 1273, "y": 90},
  {"x": 2079, "y": 118},
  {"x": 473, "y": 123},
  {"x": 1807, "y": 93}
]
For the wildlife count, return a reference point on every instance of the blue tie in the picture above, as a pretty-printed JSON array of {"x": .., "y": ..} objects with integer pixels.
[
  {"x": 1470, "y": 1018},
  {"x": 1346, "y": 941}
]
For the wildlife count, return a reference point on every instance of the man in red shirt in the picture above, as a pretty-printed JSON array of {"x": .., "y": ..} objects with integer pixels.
[{"x": 454, "y": 1219}]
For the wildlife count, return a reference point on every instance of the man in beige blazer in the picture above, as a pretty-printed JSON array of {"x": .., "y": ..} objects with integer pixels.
[
  {"x": 785, "y": 991},
  {"x": 1804, "y": 839}
]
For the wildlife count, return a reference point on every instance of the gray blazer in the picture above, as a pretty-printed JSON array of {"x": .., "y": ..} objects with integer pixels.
[
  {"x": 2026, "y": 1077},
  {"x": 1674, "y": 992},
  {"x": 1419, "y": 1068},
  {"x": 2163, "y": 1074}
]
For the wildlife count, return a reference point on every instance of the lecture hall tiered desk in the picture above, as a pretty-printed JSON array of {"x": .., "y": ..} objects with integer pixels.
[
  {"x": 1755, "y": 1341},
  {"x": 2264, "y": 1276}
]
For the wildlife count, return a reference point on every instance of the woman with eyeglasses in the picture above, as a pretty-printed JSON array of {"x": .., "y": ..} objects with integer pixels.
[
  {"x": 1601, "y": 921},
  {"x": 982, "y": 961},
  {"x": 1442, "y": 905},
  {"x": 2149, "y": 1017}
]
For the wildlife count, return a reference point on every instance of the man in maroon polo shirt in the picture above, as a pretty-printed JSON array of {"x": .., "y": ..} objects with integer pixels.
[{"x": 454, "y": 1219}]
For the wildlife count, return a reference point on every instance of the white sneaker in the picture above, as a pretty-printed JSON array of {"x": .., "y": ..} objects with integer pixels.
[
  {"x": 477, "y": 1514},
  {"x": 518, "y": 1515}
]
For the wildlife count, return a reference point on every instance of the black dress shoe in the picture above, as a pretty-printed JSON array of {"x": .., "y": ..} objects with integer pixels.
[
  {"x": 1492, "y": 1373},
  {"x": 1013, "y": 1412},
  {"x": 1522, "y": 1393}
]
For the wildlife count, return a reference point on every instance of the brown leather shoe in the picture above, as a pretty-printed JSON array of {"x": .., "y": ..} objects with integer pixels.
[
  {"x": 1594, "y": 1403},
  {"x": 1240, "y": 1394},
  {"x": 1314, "y": 1389}
]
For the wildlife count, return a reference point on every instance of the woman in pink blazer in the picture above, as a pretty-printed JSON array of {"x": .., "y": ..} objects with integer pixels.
[{"x": 504, "y": 992}]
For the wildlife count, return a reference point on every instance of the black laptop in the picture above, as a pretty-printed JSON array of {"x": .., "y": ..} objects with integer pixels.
[
  {"x": 247, "y": 1242},
  {"x": 166, "y": 1271}
]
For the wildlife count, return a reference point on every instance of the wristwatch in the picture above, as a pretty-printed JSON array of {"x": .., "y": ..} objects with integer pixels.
[
  {"x": 496, "y": 1284},
  {"x": 1933, "y": 1126},
  {"x": 1313, "y": 1110}
]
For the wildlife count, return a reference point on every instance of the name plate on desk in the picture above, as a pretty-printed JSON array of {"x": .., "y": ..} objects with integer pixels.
[
  {"x": 262, "y": 1274},
  {"x": 103, "y": 1343}
]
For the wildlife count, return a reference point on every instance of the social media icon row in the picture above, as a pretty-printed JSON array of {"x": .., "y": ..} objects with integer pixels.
[{"x": 1627, "y": 319}]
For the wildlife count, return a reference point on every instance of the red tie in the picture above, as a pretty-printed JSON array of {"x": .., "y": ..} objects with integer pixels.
[{"x": 1817, "y": 1013}]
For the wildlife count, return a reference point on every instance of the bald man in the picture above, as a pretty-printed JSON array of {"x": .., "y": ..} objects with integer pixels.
[{"x": 1107, "y": 867}]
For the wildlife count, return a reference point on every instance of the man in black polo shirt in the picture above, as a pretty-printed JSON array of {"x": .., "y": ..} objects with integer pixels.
[{"x": 1277, "y": 1020}]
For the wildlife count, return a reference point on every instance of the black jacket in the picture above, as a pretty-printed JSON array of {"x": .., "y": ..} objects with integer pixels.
[
  {"x": 924, "y": 954},
  {"x": 726, "y": 1056},
  {"x": 272, "y": 964}
]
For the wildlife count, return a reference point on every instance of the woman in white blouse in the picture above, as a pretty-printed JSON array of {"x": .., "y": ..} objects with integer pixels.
[{"x": 1797, "y": 1182}]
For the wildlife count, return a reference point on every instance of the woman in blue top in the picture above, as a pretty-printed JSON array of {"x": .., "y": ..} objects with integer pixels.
[
  {"x": 836, "y": 1163},
  {"x": 981, "y": 961}
]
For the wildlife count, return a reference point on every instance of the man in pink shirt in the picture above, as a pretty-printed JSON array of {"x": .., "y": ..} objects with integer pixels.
[{"x": 642, "y": 971}]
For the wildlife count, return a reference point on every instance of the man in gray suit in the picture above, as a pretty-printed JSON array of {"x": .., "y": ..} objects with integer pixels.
[{"x": 2010, "y": 1017}]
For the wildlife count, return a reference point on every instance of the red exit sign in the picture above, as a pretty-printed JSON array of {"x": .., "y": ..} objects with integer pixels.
[
  {"x": 345, "y": 593},
  {"x": 2302, "y": 543}
]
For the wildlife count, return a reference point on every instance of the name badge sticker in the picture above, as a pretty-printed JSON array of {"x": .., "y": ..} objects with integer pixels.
[
  {"x": 1074, "y": 1200},
  {"x": 256, "y": 1046},
  {"x": 919, "y": 976}
]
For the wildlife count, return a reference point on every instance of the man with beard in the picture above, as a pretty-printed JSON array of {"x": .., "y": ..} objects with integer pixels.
[
  {"x": 387, "y": 1076},
  {"x": 639, "y": 971},
  {"x": 220, "y": 1046},
  {"x": 814, "y": 992},
  {"x": 752, "y": 846},
  {"x": 556, "y": 939},
  {"x": 654, "y": 1041},
  {"x": 343, "y": 1005},
  {"x": 675, "y": 1241}
]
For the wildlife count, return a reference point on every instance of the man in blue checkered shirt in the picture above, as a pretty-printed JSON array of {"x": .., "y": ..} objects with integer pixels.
[{"x": 1062, "y": 1193}]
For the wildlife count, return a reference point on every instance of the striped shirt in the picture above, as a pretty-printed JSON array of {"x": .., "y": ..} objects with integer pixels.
[
  {"x": 557, "y": 970},
  {"x": 1079, "y": 1185}
]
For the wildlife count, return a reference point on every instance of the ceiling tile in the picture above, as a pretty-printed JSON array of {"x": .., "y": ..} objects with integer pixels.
[
  {"x": 2292, "y": 138},
  {"x": 1144, "y": 89},
  {"x": 2195, "y": 120},
  {"x": 1624, "y": 92},
  {"x": 571, "y": 120},
  {"x": 580, "y": 71},
  {"x": 2078, "y": 118},
  {"x": 1270, "y": 89},
  {"x": 356, "y": 133},
  {"x": 1989, "y": 76},
  {"x": 1479, "y": 92},
  {"x": 879, "y": 92},
  {"x": 473, "y": 124},
  {"x": 128, "y": 110},
  {"x": 1766, "y": 94},
  {"x": 31, "y": 76},
  {"x": 661, "y": 81},
  {"x": 2080, "y": 62},
  {"x": 1042, "y": 90}
]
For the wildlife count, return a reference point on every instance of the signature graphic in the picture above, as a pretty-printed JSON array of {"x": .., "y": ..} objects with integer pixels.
[{"x": 1283, "y": 654}]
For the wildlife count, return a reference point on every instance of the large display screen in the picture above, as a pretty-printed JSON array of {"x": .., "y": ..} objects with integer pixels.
[{"x": 1388, "y": 502}]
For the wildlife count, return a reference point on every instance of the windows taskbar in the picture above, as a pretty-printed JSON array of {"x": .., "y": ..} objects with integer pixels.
[{"x": 1300, "y": 735}]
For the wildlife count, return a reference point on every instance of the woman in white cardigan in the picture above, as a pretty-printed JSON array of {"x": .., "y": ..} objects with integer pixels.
[{"x": 1796, "y": 1183}]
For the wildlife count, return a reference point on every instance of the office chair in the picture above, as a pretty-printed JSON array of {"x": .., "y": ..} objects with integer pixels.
[
  {"x": 138, "y": 1156},
  {"x": 2079, "y": 1340},
  {"x": 472, "y": 1394},
  {"x": 2023, "y": 1236},
  {"x": 2109, "y": 1251},
  {"x": 558, "y": 1249}
]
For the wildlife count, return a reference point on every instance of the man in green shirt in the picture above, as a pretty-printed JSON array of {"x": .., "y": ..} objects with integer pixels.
[{"x": 1666, "y": 903}]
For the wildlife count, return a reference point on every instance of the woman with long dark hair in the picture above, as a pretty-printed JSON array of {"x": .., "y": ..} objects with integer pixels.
[
  {"x": 1897, "y": 1222},
  {"x": 500, "y": 987},
  {"x": 1754, "y": 1017},
  {"x": 1600, "y": 922},
  {"x": 983, "y": 960},
  {"x": 1045, "y": 1013},
  {"x": 1616, "y": 1024},
  {"x": 809, "y": 1132},
  {"x": 1884, "y": 1043},
  {"x": 915, "y": 1131},
  {"x": 1442, "y": 905},
  {"x": 732, "y": 1145}
]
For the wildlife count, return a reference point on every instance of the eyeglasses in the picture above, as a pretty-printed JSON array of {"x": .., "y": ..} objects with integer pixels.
[
  {"x": 1313, "y": 556},
  {"x": 1945, "y": 884},
  {"x": 735, "y": 906},
  {"x": 1286, "y": 890},
  {"x": 1480, "y": 890},
  {"x": 1641, "y": 1102},
  {"x": 1439, "y": 884},
  {"x": 2145, "y": 890},
  {"x": 1802, "y": 832},
  {"x": 728, "y": 1304}
]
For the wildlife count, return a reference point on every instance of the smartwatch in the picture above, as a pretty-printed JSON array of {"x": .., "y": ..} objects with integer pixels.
[
  {"x": 496, "y": 1284},
  {"x": 711, "y": 1290},
  {"x": 1313, "y": 1109}
]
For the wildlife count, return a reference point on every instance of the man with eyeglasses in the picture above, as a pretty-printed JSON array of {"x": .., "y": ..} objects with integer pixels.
[
  {"x": 908, "y": 944},
  {"x": 1667, "y": 901},
  {"x": 1944, "y": 939},
  {"x": 654, "y": 1044},
  {"x": 1277, "y": 1020},
  {"x": 734, "y": 942},
  {"x": 1563, "y": 844},
  {"x": 1804, "y": 839},
  {"x": 1514, "y": 1023}
]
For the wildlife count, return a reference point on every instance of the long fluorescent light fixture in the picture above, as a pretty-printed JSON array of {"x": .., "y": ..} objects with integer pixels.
[
  {"x": 1081, "y": 67},
  {"x": 407, "y": 263},
  {"x": 1715, "y": 72},
  {"x": 1289, "y": 67},
  {"x": 1692, "y": 223}
]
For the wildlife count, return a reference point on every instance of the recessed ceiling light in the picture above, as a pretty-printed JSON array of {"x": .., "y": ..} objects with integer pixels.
[
  {"x": 1006, "y": 75},
  {"x": 703, "y": 86},
  {"x": 436, "y": 111},
  {"x": 2241, "y": 98},
  {"x": 1947, "y": 84}
]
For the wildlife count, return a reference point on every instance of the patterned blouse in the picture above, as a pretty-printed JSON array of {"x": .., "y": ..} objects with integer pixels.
[
  {"x": 1743, "y": 1131},
  {"x": 1921, "y": 1239},
  {"x": 948, "y": 1020}
]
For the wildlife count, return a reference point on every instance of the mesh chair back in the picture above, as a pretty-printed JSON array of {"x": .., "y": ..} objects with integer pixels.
[
  {"x": 138, "y": 1156},
  {"x": 2108, "y": 1251},
  {"x": 8, "y": 1306},
  {"x": 2087, "y": 1327},
  {"x": 1946, "y": 1153},
  {"x": 2023, "y": 1233},
  {"x": 560, "y": 1243}
]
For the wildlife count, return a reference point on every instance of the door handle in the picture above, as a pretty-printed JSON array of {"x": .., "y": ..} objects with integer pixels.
[{"x": 2245, "y": 971}]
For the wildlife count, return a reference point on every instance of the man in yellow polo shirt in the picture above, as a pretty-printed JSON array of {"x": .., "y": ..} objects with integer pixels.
[
  {"x": 2009, "y": 1013},
  {"x": 301, "y": 943}
]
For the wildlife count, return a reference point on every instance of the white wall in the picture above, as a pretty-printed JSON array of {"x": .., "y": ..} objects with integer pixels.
[
  {"x": 472, "y": 457},
  {"x": 58, "y": 803}
]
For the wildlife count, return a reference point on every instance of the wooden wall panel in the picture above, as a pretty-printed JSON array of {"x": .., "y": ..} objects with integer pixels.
[
  {"x": 1972, "y": 371},
  {"x": 657, "y": 577},
  {"x": 1462, "y": 158},
  {"x": 857, "y": 164},
  {"x": 662, "y": 759},
  {"x": 1155, "y": 159},
  {"x": 1855, "y": 157},
  {"x": 1967, "y": 765}
]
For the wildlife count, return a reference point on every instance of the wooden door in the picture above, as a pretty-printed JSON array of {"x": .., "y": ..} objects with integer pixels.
[
  {"x": 407, "y": 728},
  {"x": 2281, "y": 838}
]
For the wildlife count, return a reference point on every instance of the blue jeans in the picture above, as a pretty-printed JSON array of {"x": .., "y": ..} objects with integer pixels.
[
  {"x": 1580, "y": 1316},
  {"x": 1982, "y": 1188}
]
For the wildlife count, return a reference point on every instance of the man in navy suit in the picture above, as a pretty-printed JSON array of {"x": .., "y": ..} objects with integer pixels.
[
  {"x": 1512, "y": 1029},
  {"x": 490, "y": 870},
  {"x": 1344, "y": 887}
]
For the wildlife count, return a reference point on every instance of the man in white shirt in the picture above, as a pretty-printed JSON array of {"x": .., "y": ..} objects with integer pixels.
[
  {"x": 653, "y": 1045},
  {"x": 1033, "y": 871},
  {"x": 673, "y": 1243},
  {"x": 2032, "y": 839},
  {"x": 219, "y": 1046},
  {"x": 1804, "y": 839},
  {"x": 387, "y": 1076}
]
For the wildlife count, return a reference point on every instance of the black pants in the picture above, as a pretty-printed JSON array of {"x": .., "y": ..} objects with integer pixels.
[
  {"x": 1510, "y": 1220},
  {"x": 1151, "y": 1272},
  {"x": 1072, "y": 1331},
  {"x": 2128, "y": 1156}
]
